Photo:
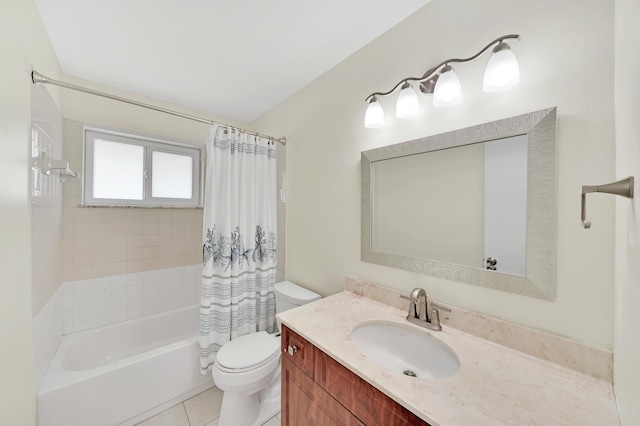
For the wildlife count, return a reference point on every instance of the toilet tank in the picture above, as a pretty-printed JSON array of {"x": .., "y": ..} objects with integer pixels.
[{"x": 290, "y": 295}]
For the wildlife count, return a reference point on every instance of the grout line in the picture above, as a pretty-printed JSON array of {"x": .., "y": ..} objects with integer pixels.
[{"x": 186, "y": 413}]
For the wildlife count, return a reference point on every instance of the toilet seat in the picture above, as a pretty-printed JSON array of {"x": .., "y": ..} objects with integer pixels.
[{"x": 248, "y": 352}]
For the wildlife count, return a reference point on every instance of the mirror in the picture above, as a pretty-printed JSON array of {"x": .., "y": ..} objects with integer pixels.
[{"x": 475, "y": 205}]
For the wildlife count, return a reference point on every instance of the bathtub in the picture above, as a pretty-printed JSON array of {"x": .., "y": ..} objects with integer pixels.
[{"x": 123, "y": 373}]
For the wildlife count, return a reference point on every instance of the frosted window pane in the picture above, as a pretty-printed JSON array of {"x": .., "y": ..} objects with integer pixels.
[
  {"x": 172, "y": 175},
  {"x": 117, "y": 170}
]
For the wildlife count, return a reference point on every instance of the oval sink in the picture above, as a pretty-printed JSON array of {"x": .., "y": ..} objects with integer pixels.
[{"x": 404, "y": 350}]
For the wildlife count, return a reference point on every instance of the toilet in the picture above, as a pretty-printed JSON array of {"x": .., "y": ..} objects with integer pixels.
[{"x": 247, "y": 369}]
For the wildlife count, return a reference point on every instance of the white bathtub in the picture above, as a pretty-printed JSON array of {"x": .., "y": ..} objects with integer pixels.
[{"x": 123, "y": 373}]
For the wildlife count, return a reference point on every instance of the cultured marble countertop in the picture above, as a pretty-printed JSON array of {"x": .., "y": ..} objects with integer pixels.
[{"x": 494, "y": 386}]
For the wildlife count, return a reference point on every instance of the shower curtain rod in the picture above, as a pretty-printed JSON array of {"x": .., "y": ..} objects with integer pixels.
[{"x": 38, "y": 78}]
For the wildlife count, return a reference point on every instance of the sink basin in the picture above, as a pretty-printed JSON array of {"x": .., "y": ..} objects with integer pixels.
[{"x": 405, "y": 350}]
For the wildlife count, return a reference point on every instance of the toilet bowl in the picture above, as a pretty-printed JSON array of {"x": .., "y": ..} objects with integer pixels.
[{"x": 247, "y": 369}]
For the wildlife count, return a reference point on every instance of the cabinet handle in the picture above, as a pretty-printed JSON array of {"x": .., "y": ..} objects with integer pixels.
[{"x": 292, "y": 349}]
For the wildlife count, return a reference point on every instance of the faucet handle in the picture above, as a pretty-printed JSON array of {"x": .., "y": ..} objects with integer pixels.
[
  {"x": 439, "y": 307},
  {"x": 413, "y": 312},
  {"x": 435, "y": 317}
]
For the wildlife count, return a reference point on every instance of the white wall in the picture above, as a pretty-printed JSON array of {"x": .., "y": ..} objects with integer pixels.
[
  {"x": 23, "y": 42},
  {"x": 566, "y": 59},
  {"x": 627, "y": 107}
]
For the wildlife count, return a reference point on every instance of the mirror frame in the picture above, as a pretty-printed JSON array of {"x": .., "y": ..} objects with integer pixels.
[{"x": 540, "y": 128}]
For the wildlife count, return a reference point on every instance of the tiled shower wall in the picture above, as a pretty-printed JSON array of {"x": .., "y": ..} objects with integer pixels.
[
  {"x": 101, "y": 242},
  {"x": 96, "y": 302},
  {"x": 46, "y": 232},
  {"x": 124, "y": 263},
  {"x": 46, "y": 200}
]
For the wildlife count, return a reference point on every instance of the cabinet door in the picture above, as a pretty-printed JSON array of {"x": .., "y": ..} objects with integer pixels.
[
  {"x": 306, "y": 403},
  {"x": 366, "y": 402}
]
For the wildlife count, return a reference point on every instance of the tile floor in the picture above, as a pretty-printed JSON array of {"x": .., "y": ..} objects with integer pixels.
[{"x": 200, "y": 410}]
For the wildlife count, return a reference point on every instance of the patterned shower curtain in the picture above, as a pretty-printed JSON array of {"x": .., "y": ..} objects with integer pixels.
[{"x": 239, "y": 250}]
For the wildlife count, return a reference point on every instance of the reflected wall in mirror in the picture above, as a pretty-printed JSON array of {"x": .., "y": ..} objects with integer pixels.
[
  {"x": 475, "y": 205},
  {"x": 475, "y": 209}
]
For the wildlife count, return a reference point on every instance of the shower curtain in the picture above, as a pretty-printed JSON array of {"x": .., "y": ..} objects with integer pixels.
[{"x": 239, "y": 250}]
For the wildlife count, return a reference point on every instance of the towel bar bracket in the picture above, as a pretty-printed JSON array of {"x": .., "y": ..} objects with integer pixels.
[
  {"x": 623, "y": 187},
  {"x": 45, "y": 165}
]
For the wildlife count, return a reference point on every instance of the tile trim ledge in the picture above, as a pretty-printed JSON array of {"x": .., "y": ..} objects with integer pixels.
[{"x": 590, "y": 360}]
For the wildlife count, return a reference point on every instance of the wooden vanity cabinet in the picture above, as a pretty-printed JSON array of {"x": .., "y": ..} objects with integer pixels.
[
  {"x": 306, "y": 403},
  {"x": 319, "y": 391}
]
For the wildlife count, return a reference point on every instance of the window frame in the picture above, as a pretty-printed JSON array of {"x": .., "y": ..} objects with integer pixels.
[{"x": 150, "y": 145}]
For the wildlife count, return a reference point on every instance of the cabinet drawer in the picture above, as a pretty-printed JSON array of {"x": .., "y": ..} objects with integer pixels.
[
  {"x": 296, "y": 349},
  {"x": 366, "y": 402}
]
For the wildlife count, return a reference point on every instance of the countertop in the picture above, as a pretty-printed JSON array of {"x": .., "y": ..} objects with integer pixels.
[{"x": 495, "y": 385}]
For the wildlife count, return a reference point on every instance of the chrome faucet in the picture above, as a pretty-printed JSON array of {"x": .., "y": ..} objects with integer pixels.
[{"x": 418, "y": 310}]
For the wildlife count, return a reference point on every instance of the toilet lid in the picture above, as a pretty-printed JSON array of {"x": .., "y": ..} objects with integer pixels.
[
  {"x": 295, "y": 294},
  {"x": 248, "y": 351}
]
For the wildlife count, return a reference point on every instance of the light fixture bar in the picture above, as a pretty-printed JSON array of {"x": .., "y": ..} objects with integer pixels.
[{"x": 432, "y": 71}]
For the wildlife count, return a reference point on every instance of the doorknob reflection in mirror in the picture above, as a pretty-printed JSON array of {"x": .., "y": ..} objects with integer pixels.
[{"x": 491, "y": 263}]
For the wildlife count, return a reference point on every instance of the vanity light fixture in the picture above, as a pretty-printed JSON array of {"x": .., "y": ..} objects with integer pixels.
[
  {"x": 375, "y": 115},
  {"x": 447, "y": 90},
  {"x": 502, "y": 73},
  {"x": 407, "y": 104}
]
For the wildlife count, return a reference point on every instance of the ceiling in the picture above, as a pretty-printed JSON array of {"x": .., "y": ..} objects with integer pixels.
[{"x": 232, "y": 58}]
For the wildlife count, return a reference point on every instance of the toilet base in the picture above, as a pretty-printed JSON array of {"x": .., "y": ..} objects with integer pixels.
[
  {"x": 270, "y": 399},
  {"x": 241, "y": 409}
]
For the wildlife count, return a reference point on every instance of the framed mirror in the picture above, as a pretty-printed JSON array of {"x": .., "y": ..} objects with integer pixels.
[{"x": 475, "y": 205}]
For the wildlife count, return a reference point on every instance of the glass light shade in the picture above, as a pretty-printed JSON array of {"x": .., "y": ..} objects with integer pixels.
[
  {"x": 407, "y": 104},
  {"x": 374, "y": 117},
  {"x": 447, "y": 91},
  {"x": 503, "y": 71}
]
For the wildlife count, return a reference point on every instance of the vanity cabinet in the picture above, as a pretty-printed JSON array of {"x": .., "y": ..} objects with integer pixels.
[{"x": 319, "y": 391}]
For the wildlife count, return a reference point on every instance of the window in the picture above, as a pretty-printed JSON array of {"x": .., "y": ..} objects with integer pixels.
[{"x": 130, "y": 170}]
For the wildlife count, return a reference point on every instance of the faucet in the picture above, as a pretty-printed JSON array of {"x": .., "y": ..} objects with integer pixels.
[{"x": 419, "y": 314}]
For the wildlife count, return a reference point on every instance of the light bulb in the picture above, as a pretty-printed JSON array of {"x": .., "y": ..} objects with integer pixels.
[
  {"x": 447, "y": 91},
  {"x": 407, "y": 104},
  {"x": 374, "y": 117},
  {"x": 503, "y": 71}
]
